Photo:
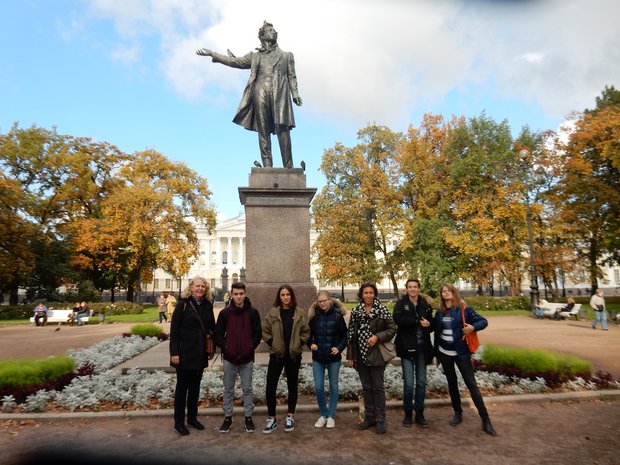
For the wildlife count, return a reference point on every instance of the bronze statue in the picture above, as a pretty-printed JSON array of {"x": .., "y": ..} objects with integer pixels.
[{"x": 266, "y": 103}]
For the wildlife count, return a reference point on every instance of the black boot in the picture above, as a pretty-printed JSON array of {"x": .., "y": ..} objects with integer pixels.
[
  {"x": 408, "y": 420},
  {"x": 367, "y": 423},
  {"x": 420, "y": 420},
  {"x": 456, "y": 419},
  {"x": 487, "y": 427}
]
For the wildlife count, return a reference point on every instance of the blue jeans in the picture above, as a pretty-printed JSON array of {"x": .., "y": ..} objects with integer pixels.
[
  {"x": 411, "y": 365},
  {"x": 318, "y": 370},
  {"x": 602, "y": 317}
]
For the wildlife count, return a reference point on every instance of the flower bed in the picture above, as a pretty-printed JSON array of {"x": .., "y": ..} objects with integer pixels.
[{"x": 138, "y": 389}]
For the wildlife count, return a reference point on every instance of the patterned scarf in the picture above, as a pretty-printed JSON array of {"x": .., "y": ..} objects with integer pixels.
[{"x": 361, "y": 321}]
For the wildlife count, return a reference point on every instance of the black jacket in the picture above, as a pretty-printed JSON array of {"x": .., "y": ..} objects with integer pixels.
[
  {"x": 238, "y": 341},
  {"x": 187, "y": 339},
  {"x": 407, "y": 317}
]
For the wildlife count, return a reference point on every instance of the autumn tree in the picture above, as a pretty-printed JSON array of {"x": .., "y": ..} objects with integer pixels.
[
  {"x": 425, "y": 192},
  {"x": 147, "y": 221},
  {"x": 588, "y": 192},
  {"x": 357, "y": 213}
]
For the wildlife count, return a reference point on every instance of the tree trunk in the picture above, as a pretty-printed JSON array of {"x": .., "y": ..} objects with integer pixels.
[
  {"x": 394, "y": 284},
  {"x": 13, "y": 293},
  {"x": 593, "y": 267}
]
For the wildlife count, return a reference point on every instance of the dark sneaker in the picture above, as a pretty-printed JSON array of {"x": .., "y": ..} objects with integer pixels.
[
  {"x": 289, "y": 424},
  {"x": 271, "y": 426},
  {"x": 420, "y": 420},
  {"x": 225, "y": 428},
  {"x": 249, "y": 425}
]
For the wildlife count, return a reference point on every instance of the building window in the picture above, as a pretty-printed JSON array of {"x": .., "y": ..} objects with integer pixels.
[
  {"x": 617, "y": 275},
  {"x": 224, "y": 257},
  {"x": 235, "y": 278},
  {"x": 214, "y": 258},
  {"x": 156, "y": 284},
  {"x": 212, "y": 283},
  {"x": 168, "y": 284}
]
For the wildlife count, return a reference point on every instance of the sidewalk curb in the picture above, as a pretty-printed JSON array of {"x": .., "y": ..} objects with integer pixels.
[{"x": 580, "y": 396}]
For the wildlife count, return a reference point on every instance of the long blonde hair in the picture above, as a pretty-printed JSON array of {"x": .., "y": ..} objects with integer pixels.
[
  {"x": 457, "y": 300},
  {"x": 188, "y": 290}
]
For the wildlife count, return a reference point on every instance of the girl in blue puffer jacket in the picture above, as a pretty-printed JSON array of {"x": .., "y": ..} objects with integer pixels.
[{"x": 328, "y": 338}]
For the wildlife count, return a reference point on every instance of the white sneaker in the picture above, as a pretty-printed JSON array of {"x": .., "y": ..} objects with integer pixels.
[
  {"x": 289, "y": 424},
  {"x": 331, "y": 423},
  {"x": 320, "y": 422}
]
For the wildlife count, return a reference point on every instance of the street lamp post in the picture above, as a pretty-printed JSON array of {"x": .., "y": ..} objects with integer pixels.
[{"x": 534, "y": 293}]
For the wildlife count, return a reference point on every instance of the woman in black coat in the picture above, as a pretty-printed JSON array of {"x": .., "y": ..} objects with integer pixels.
[{"x": 192, "y": 320}]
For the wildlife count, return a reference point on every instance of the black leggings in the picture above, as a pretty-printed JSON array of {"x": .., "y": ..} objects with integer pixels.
[
  {"x": 467, "y": 371},
  {"x": 274, "y": 370}
]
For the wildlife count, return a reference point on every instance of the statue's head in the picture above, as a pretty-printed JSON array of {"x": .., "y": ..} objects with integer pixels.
[{"x": 267, "y": 32}]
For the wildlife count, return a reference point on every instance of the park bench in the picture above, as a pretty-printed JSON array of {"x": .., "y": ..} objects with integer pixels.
[
  {"x": 550, "y": 308},
  {"x": 60, "y": 315}
]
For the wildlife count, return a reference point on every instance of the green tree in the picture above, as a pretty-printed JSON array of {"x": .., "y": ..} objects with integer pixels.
[
  {"x": 485, "y": 202},
  {"x": 358, "y": 212}
]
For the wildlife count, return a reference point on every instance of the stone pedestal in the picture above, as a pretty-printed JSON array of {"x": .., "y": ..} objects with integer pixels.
[{"x": 277, "y": 234}]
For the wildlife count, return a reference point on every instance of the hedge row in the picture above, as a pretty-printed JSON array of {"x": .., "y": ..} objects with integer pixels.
[{"x": 21, "y": 312}]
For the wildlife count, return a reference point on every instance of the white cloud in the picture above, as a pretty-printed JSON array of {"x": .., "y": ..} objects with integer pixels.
[
  {"x": 363, "y": 61},
  {"x": 126, "y": 55}
]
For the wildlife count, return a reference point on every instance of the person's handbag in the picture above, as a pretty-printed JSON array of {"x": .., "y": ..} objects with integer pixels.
[
  {"x": 209, "y": 342},
  {"x": 472, "y": 338},
  {"x": 387, "y": 350},
  {"x": 210, "y": 346}
]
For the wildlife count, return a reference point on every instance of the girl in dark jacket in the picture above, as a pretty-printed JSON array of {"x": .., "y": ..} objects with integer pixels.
[
  {"x": 451, "y": 349},
  {"x": 192, "y": 320},
  {"x": 328, "y": 338},
  {"x": 371, "y": 323}
]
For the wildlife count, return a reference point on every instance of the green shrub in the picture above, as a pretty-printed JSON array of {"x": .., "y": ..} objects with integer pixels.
[
  {"x": 116, "y": 308},
  {"x": 146, "y": 330},
  {"x": 534, "y": 360},
  {"x": 16, "y": 312},
  {"x": 488, "y": 303},
  {"x": 26, "y": 372}
]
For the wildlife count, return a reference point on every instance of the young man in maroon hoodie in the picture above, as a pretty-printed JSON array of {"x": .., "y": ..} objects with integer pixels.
[{"x": 237, "y": 333}]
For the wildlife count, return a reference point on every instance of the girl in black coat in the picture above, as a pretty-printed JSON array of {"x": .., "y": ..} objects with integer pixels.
[{"x": 192, "y": 320}]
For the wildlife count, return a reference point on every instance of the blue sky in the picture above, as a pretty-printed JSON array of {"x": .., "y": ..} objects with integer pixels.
[{"x": 126, "y": 71}]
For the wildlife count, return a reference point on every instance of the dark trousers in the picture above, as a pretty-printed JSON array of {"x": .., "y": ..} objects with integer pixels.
[
  {"x": 162, "y": 316},
  {"x": 274, "y": 370},
  {"x": 373, "y": 390},
  {"x": 38, "y": 317},
  {"x": 467, "y": 372},
  {"x": 186, "y": 393}
]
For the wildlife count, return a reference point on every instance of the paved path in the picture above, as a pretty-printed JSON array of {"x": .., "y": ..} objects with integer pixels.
[{"x": 577, "y": 428}]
